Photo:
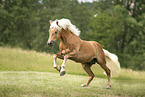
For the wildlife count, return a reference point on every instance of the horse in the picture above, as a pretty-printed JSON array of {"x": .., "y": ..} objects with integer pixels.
[{"x": 72, "y": 47}]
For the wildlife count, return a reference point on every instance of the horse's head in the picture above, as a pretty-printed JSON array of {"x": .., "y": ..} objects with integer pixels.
[
  {"x": 56, "y": 29},
  {"x": 54, "y": 34}
]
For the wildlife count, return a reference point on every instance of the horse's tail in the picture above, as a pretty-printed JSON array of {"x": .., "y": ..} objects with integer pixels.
[{"x": 112, "y": 63}]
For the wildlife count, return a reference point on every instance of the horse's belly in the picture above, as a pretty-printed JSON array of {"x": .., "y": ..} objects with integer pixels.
[{"x": 82, "y": 59}]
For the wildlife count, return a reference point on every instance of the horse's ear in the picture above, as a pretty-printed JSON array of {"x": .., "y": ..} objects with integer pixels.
[
  {"x": 50, "y": 21},
  {"x": 57, "y": 23}
]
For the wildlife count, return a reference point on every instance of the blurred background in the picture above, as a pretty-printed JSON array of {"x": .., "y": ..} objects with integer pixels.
[{"x": 118, "y": 25}]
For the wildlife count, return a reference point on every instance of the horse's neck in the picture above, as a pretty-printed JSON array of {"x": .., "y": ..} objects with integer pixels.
[{"x": 67, "y": 39}]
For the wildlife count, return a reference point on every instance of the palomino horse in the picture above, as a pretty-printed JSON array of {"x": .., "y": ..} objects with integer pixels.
[{"x": 72, "y": 47}]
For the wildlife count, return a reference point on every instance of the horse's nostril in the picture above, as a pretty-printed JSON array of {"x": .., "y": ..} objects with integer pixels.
[{"x": 50, "y": 44}]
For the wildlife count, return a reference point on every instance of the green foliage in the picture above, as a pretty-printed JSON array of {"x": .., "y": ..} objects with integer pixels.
[
  {"x": 121, "y": 33},
  {"x": 25, "y": 23},
  {"x": 18, "y": 22},
  {"x": 118, "y": 25}
]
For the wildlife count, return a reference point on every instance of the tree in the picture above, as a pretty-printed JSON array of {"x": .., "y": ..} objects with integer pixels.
[
  {"x": 18, "y": 22},
  {"x": 119, "y": 32}
]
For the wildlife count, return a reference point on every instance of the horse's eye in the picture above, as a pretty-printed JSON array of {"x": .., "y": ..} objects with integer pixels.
[{"x": 55, "y": 32}]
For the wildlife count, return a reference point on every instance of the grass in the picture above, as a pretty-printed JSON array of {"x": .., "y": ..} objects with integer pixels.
[
  {"x": 31, "y": 74},
  {"x": 22, "y": 60},
  {"x": 38, "y": 84}
]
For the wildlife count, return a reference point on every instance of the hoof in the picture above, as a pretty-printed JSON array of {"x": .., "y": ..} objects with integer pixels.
[
  {"x": 62, "y": 73},
  {"x": 108, "y": 87},
  {"x": 84, "y": 85}
]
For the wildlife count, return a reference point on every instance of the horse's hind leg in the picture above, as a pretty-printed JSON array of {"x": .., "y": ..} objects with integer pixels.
[
  {"x": 87, "y": 68},
  {"x": 108, "y": 72}
]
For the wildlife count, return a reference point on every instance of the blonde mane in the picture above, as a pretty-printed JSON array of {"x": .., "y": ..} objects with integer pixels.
[{"x": 65, "y": 24}]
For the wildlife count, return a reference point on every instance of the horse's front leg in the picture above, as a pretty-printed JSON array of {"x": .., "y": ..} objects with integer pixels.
[
  {"x": 55, "y": 56},
  {"x": 69, "y": 55}
]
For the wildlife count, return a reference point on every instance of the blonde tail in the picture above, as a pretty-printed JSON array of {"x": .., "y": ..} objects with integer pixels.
[{"x": 112, "y": 63}]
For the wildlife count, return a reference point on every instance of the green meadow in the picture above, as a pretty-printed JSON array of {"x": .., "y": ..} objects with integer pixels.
[{"x": 25, "y": 73}]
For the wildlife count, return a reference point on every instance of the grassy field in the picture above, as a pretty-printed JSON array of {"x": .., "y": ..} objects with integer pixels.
[{"x": 31, "y": 74}]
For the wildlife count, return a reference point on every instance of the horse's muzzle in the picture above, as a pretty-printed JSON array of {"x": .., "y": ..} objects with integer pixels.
[{"x": 50, "y": 43}]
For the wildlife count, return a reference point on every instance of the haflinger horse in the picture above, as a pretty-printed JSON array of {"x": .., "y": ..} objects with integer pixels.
[{"x": 85, "y": 52}]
